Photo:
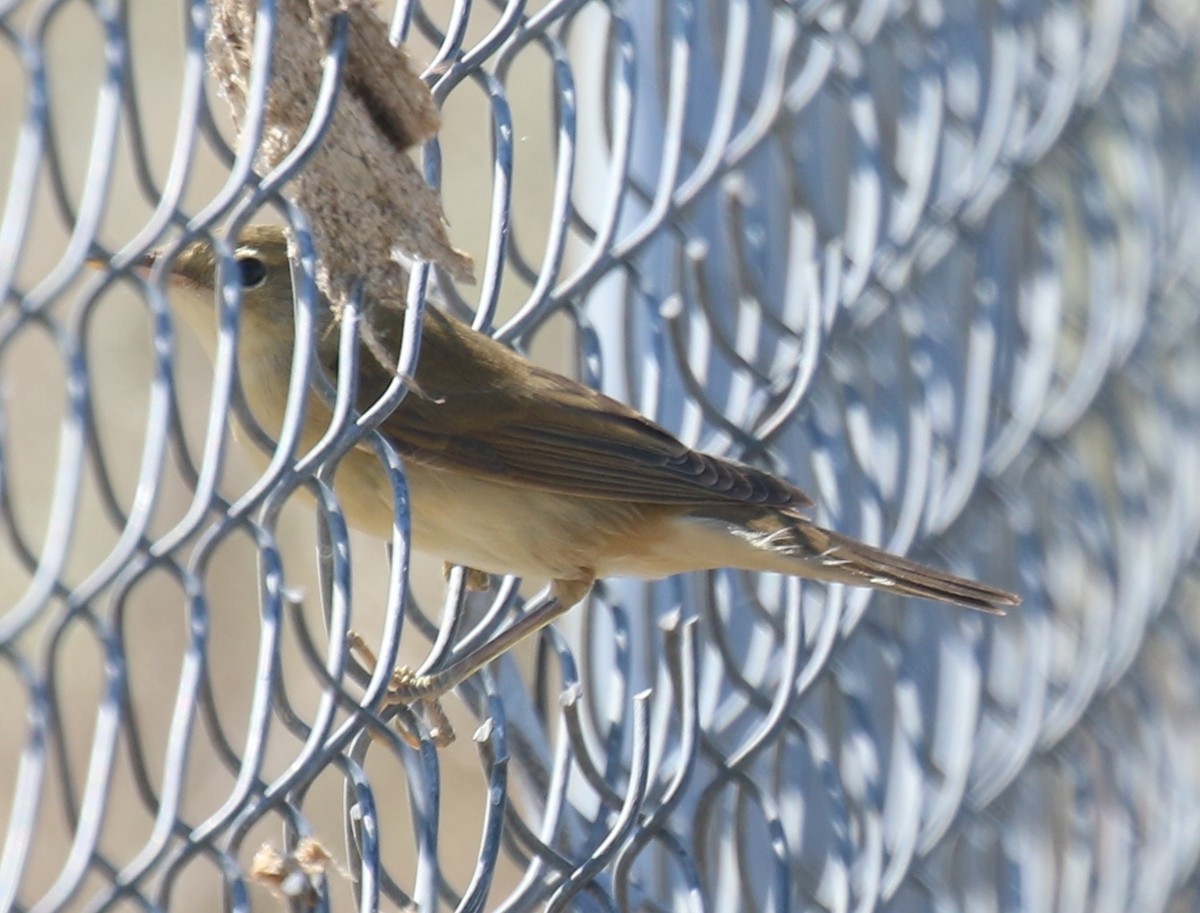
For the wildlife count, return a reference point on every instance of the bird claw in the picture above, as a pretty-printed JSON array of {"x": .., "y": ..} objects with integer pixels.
[
  {"x": 421, "y": 692},
  {"x": 477, "y": 581},
  {"x": 408, "y": 689}
]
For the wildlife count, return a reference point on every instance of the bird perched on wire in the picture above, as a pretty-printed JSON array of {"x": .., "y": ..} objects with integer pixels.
[{"x": 514, "y": 469}]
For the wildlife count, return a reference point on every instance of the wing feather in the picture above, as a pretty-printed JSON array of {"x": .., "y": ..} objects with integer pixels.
[{"x": 484, "y": 410}]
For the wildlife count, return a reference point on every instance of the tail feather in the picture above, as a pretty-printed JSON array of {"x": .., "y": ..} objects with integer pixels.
[
  {"x": 831, "y": 556},
  {"x": 785, "y": 542},
  {"x": 865, "y": 565}
]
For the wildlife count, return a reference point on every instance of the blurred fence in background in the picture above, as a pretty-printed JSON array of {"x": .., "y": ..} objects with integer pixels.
[{"x": 935, "y": 261}]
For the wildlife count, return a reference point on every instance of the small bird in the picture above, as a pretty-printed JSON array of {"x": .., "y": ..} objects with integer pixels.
[{"x": 514, "y": 469}]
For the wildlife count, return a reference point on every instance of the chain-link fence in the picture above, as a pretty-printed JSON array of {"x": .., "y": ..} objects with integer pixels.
[{"x": 933, "y": 261}]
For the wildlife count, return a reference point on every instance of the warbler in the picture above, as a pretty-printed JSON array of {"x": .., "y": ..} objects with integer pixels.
[{"x": 515, "y": 469}]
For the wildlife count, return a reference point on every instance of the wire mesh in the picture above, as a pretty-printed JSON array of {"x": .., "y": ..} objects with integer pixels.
[{"x": 935, "y": 262}]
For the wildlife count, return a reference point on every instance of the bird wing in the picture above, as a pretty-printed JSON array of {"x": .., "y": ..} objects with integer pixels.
[{"x": 483, "y": 410}]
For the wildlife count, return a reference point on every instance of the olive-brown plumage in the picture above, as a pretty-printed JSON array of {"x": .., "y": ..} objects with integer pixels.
[{"x": 515, "y": 469}]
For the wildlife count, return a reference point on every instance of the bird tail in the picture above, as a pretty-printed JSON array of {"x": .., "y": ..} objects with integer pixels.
[
  {"x": 859, "y": 564},
  {"x": 826, "y": 555}
]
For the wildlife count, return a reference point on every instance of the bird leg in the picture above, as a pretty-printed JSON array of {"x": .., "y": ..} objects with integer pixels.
[{"x": 408, "y": 687}]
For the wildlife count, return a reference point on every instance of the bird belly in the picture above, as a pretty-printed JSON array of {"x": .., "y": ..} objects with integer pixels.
[
  {"x": 506, "y": 529},
  {"x": 668, "y": 543},
  {"x": 463, "y": 519}
]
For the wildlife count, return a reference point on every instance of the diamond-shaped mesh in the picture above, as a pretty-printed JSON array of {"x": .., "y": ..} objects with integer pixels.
[{"x": 936, "y": 262}]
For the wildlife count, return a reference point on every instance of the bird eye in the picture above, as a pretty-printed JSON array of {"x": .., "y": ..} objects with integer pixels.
[{"x": 252, "y": 270}]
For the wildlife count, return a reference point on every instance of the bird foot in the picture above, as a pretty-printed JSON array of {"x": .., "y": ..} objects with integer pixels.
[
  {"x": 408, "y": 689},
  {"x": 477, "y": 581},
  {"x": 421, "y": 692}
]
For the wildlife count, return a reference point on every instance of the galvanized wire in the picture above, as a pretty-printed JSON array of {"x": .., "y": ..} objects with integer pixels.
[{"x": 935, "y": 262}]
